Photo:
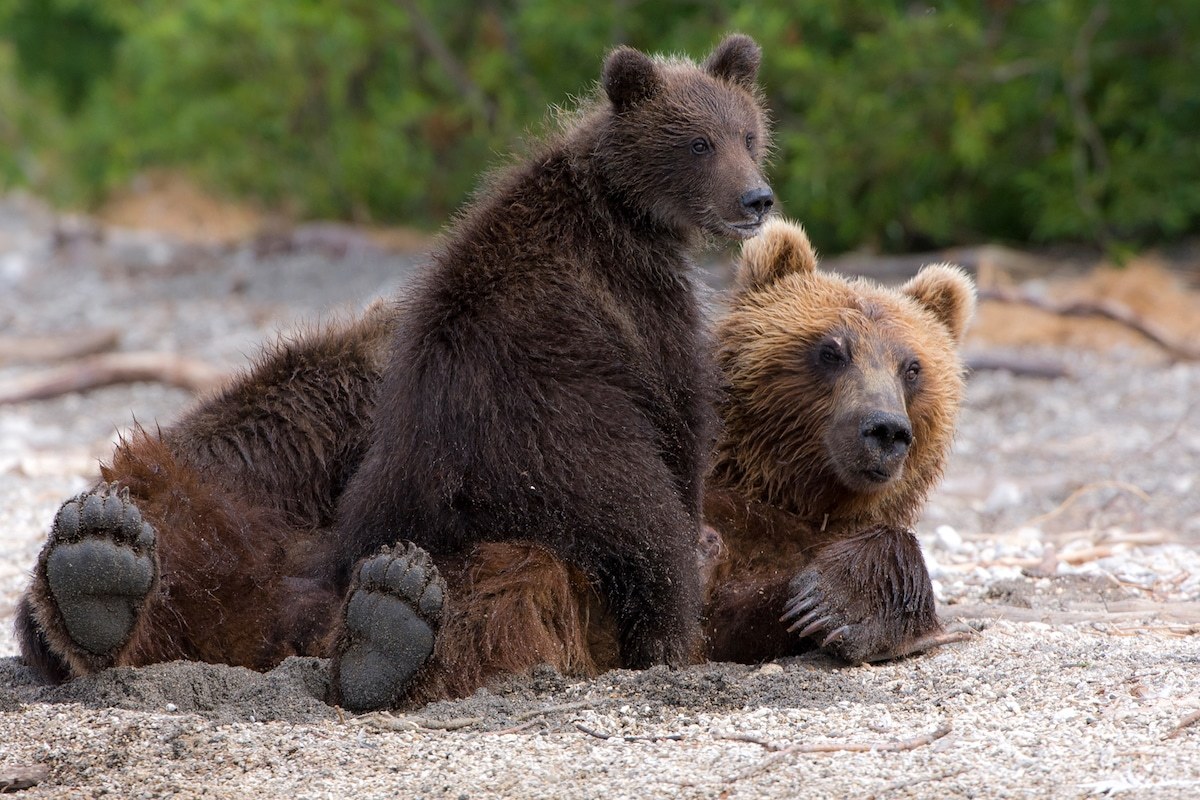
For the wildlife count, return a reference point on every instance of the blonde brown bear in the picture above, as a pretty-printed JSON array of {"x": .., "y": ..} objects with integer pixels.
[{"x": 840, "y": 407}]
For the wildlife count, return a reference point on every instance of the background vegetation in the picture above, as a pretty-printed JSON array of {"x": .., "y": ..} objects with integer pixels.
[{"x": 900, "y": 125}]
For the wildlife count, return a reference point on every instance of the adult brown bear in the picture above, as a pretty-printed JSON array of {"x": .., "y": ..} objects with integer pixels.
[
  {"x": 841, "y": 402},
  {"x": 543, "y": 392}
]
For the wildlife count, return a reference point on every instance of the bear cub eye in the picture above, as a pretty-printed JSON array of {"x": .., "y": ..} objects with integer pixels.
[
  {"x": 749, "y": 141},
  {"x": 700, "y": 146}
]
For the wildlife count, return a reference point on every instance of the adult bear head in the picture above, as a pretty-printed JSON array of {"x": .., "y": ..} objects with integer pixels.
[{"x": 842, "y": 394}]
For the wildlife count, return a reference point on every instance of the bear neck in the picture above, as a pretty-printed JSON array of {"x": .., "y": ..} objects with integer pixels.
[{"x": 593, "y": 225}]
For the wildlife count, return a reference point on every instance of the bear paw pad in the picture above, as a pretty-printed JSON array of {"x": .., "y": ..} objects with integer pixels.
[
  {"x": 390, "y": 624},
  {"x": 99, "y": 566}
]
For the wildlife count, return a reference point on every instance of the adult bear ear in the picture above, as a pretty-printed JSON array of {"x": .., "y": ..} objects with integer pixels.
[
  {"x": 735, "y": 59},
  {"x": 782, "y": 248},
  {"x": 948, "y": 292},
  {"x": 629, "y": 78}
]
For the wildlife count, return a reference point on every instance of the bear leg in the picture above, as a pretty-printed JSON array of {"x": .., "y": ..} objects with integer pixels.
[
  {"x": 389, "y": 626},
  {"x": 92, "y": 580},
  {"x": 866, "y": 598}
]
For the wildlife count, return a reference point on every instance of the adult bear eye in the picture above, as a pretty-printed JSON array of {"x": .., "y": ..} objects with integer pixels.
[
  {"x": 831, "y": 356},
  {"x": 913, "y": 371},
  {"x": 700, "y": 146},
  {"x": 749, "y": 141}
]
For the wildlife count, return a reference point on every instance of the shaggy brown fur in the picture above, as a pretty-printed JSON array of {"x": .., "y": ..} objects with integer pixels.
[
  {"x": 235, "y": 493},
  {"x": 536, "y": 413},
  {"x": 840, "y": 408},
  {"x": 550, "y": 379}
]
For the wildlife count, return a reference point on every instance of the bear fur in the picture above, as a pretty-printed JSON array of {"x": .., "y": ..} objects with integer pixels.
[
  {"x": 514, "y": 448},
  {"x": 839, "y": 410},
  {"x": 550, "y": 380}
]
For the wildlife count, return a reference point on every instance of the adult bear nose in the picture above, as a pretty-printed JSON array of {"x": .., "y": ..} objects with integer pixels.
[
  {"x": 758, "y": 200},
  {"x": 890, "y": 433}
]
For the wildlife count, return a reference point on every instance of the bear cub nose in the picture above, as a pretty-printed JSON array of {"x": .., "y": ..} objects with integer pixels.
[
  {"x": 890, "y": 433},
  {"x": 758, "y": 201}
]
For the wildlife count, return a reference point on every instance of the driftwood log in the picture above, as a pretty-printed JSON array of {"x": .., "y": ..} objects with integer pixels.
[
  {"x": 1104, "y": 309},
  {"x": 41, "y": 349},
  {"x": 107, "y": 369}
]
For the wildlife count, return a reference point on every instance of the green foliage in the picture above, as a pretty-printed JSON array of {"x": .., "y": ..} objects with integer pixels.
[{"x": 899, "y": 125}]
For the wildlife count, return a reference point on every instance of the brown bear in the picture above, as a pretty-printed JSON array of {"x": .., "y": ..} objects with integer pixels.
[
  {"x": 839, "y": 410},
  {"x": 539, "y": 404}
]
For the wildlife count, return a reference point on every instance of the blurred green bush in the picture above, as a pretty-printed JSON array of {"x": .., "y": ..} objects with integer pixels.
[{"x": 900, "y": 125}]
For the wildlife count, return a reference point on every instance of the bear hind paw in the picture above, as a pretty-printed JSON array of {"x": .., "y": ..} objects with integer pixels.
[
  {"x": 389, "y": 627},
  {"x": 98, "y": 566}
]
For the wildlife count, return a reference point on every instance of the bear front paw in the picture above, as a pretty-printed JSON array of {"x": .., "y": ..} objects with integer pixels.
[
  {"x": 866, "y": 598},
  {"x": 389, "y": 626},
  {"x": 811, "y": 614}
]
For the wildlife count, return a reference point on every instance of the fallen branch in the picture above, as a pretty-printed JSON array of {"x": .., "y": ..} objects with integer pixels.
[
  {"x": 925, "y": 643},
  {"x": 18, "y": 779},
  {"x": 750, "y": 738},
  {"x": 1190, "y": 719},
  {"x": 673, "y": 737},
  {"x": 108, "y": 369},
  {"x": 522, "y": 726},
  {"x": 842, "y": 747},
  {"x": 40, "y": 349},
  {"x": 382, "y": 720},
  {"x": 528, "y": 719},
  {"x": 1106, "y": 309},
  {"x": 1025, "y": 367},
  {"x": 537, "y": 712},
  {"x": 1184, "y": 613}
]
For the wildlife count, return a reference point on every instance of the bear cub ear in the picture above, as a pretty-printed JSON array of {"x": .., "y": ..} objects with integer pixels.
[
  {"x": 735, "y": 59},
  {"x": 948, "y": 292},
  {"x": 629, "y": 78},
  {"x": 782, "y": 248}
]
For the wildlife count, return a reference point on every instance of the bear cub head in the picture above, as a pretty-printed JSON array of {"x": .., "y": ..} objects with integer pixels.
[
  {"x": 686, "y": 145},
  {"x": 842, "y": 395}
]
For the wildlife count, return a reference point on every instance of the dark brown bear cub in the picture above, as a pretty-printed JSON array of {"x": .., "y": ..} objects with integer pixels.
[
  {"x": 546, "y": 387},
  {"x": 839, "y": 413},
  {"x": 550, "y": 381}
]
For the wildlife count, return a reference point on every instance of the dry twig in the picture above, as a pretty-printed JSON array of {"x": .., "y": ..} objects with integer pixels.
[
  {"x": 532, "y": 717},
  {"x": 533, "y": 723},
  {"x": 1190, "y": 719},
  {"x": 1127, "y": 611},
  {"x": 842, "y": 747},
  {"x": 382, "y": 720},
  {"x": 18, "y": 779},
  {"x": 1017, "y": 365},
  {"x": 537, "y": 712},
  {"x": 672, "y": 737},
  {"x": 750, "y": 738}
]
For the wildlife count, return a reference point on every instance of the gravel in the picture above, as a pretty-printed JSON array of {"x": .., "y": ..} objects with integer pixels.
[{"x": 1066, "y": 533}]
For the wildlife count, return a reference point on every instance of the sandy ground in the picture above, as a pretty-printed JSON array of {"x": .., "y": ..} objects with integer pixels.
[{"x": 1066, "y": 533}]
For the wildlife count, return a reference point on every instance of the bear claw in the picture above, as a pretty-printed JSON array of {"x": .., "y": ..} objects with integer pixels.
[
  {"x": 390, "y": 625},
  {"x": 99, "y": 567}
]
